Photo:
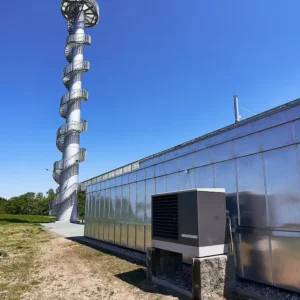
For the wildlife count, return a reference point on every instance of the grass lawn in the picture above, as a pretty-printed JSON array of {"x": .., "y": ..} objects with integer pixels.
[
  {"x": 36, "y": 264},
  {"x": 5, "y": 218},
  {"x": 18, "y": 247}
]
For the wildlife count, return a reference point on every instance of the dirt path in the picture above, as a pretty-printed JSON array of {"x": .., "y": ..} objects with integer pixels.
[
  {"x": 66, "y": 270},
  {"x": 36, "y": 264}
]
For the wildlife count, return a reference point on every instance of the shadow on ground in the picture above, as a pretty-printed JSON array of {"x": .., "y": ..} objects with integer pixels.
[
  {"x": 138, "y": 277},
  {"x": 6, "y": 218},
  {"x": 3, "y": 220},
  {"x": 86, "y": 241}
]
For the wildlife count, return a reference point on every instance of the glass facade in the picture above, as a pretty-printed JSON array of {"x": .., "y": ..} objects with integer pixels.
[{"x": 257, "y": 162}]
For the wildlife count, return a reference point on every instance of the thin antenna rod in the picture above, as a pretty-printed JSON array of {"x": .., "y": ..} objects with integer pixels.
[
  {"x": 236, "y": 109},
  {"x": 249, "y": 111}
]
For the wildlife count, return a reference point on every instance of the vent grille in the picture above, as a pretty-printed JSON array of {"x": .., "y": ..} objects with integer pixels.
[{"x": 165, "y": 217}]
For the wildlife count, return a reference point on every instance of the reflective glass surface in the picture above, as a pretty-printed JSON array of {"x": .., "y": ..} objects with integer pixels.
[
  {"x": 283, "y": 187},
  {"x": 277, "y": 137},
  {"x": 186, "y": 149},
  {"x": 124, "y": 235},
  {"x": 225, "y": 177},
  {"x": 173, "y": 182},
  {"x": 187, "y": 180},
  {"x": 141, "y": 174},
  {"x": 112, "y": 182},
  {"x": 291, "y": 113},
  {"x": 202, "y": 157},
  {"x": 97, "y": 199},
  {"x": 124, "y": 179},
  {"x": 149, "y": 172},
  {"x": 131, "y": 236},
  {"x": 140, "y": 238},
  {"x": 251, "y": 185},
  {"x": 141, "y": 201},
  {"x": 107, "y": 204},
  {"x": 102, "y": 204},
  {"x": 125, "y": 202},
  {"x": 118, "y": 180},
  {"x": 186, "y": 162},
  {"x": 172, "y": 166},
  {"x": 112, "y": 202},
  {"x": 222, "y": 152},
  {"x": 256, "y": 252},
  {"x": 246, "y": 145},
  {"x": 286, "y": 261},
  {"x": 107, "y": 183},
  {"x": 118, "y": 234},
  {"x": 118, "y": 203},
  {"x": 160, "y": 169},
  {"x": 150, "y": 190},
  {"x": 204, "y": 177},
  {"x": 160, "y": 184},
  {"x": 132, "y": 177},
  {"x": 132, "y": 202}
]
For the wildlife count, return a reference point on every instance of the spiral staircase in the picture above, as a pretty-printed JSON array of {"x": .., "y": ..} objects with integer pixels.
[{"x": 79, "y": 15}]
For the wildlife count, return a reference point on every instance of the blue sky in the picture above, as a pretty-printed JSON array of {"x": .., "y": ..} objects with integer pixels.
[{"x": 162, "y": 72}]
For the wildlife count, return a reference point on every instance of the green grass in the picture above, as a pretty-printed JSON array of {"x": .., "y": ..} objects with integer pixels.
[
  {"x": 5, "y": 218},
  {"x": 19, "y": 243}
]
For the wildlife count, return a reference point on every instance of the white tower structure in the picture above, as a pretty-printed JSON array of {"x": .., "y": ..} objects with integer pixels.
[{"x": 79, "y": 15}]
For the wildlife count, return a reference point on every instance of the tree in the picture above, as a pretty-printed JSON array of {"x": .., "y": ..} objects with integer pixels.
[
  {"x": 3, "y": 203},
  {"x": 42, "y": 207},
  {"x": 39, "y": 196},
  {"x": 18, "y": 205},
  {"x": 81, "y": 204},
  {"x": 35, "y": 203},
  {"x": 28, "y": 204},
  {"x": 51, "y": 194}
]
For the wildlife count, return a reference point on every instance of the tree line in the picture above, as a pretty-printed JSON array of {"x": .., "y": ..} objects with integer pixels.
[{"x": 34, "y": 203}]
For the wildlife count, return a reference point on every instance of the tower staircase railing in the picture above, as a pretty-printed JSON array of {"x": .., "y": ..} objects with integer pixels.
[{"x": 79, "y": 15}]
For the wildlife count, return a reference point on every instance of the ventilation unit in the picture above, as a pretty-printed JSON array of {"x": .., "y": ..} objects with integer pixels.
[{"x": 191, "y": 222}]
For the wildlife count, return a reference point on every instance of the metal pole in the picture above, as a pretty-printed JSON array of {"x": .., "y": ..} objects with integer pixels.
[{"x": 236, "y": 109}]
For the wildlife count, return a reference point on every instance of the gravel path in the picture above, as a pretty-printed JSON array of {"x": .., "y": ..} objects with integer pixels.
[
  {"x": 136, "y": 255},
  {"x": 182, "y": 279},
  {"x": 267, "y": 292}
]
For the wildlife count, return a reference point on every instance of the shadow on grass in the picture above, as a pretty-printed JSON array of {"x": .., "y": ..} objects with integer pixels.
[
  {"x": 3, "y": 221},
  {"x": 137, "y": 278},
  {"x": 6, "y": 219}
]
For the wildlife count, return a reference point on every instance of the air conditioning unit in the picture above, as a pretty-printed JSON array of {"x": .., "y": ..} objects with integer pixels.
[{"x": 190, "y": 222}]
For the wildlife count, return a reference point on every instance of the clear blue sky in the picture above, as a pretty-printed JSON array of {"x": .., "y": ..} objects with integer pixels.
[{"x": 162, "y": 72}]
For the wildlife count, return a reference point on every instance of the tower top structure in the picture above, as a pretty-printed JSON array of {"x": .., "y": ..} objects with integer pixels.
[{"x": 89, "y": 7}]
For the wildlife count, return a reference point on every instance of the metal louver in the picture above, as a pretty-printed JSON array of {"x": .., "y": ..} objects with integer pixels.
[{"x": 165, "y": 216}]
